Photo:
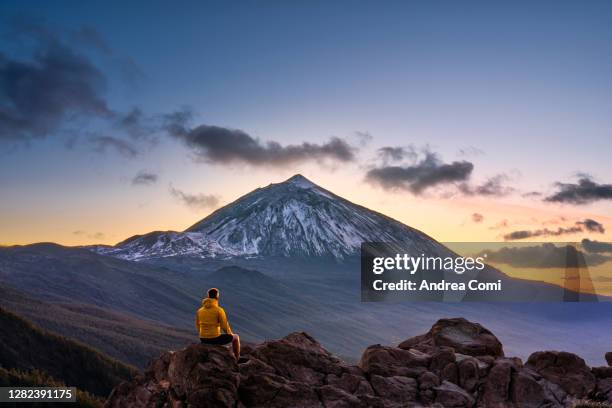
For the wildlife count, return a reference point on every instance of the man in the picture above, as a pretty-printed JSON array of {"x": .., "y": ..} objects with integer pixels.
[{"x": 210, "y": 319}]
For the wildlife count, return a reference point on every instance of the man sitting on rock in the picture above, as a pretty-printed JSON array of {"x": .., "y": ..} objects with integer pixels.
[{"x": 210, "y": 319}]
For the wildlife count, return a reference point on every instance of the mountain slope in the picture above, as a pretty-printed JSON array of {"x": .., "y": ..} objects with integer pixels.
[
  {"x": 25, "y": 347},
  {"x": 127, "y": 338},
  {"x": 292, "y": 218}
]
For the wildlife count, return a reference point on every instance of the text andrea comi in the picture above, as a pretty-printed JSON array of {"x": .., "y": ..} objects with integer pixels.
[{"x": 424, "y": 285}]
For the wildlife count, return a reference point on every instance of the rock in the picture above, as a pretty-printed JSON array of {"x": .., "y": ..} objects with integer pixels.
[
  {"x": 463, "y": 336},
  {"x": 450, "y": 373},
  {"x": 442, "y": 368},
  {"x": 200, "y": 375},
  {"x": 440, "y": 358},
  {"x": 497, "y": 385},
  {"x": 469, "y": 374},
  {"x": 526, "y": 391},
  {"x": 399, "y": 389},
  {"x": 392, "y": 361},
  {"x": 602, "y": 372},
  {"x": 567, "y": 370},
  {"x": 452, "y": 396},
  {"x": 299, "y": 357},
  {"x": 609, "y": 358}
]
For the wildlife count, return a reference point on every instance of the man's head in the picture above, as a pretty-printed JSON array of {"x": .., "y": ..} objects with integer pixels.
[{"x": 213, "y": 293}]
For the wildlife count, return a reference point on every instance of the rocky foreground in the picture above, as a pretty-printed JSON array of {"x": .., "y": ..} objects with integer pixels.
[{"x": 456, "y": 364}]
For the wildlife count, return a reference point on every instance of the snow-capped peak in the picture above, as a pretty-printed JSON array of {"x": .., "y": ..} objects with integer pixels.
[
  {"x": 299, "y": 181},
  {"x": 292, "y": 218}
]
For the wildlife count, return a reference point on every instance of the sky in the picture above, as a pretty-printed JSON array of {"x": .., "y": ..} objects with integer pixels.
[{"x": 471, "y": 121}]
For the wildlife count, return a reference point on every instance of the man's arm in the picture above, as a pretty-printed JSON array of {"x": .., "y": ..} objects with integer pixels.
[
  {"x": 223, "y": 322},
  {"x": 197, "y": 322}
]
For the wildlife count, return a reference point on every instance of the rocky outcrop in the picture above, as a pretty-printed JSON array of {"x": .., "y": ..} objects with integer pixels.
[{"x": 456, "y": 364}]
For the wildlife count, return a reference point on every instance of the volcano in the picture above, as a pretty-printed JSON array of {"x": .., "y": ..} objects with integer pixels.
[{"x": 295, "y": 218}]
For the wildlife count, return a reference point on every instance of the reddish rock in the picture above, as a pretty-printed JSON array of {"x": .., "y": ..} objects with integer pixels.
[
  {"x": 497, "y": 384},
  {"x": 453, "y": 396},
  {"x": 567, "y": 370},
  {"x": 463, "y": 336},
  {"x": 469, "y": 374},
  {"x": 398, "y": 389},
  {"x": 602, "y": 372},
  {"x": 526, "y": 391},
  {"x": 443, "y": 368},
  {"x": 391, "y": 361}
]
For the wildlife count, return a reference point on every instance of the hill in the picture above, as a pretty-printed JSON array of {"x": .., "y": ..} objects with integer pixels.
[{"x": 25, "y": 347}]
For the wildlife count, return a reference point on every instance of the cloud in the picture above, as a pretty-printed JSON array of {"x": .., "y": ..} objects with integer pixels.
[
  {"x": 103, "y": 143},
  {"x": 195, "y": 201},
  {"x": 221, "y": 145},
  {"x": 477, "y": 218},
  {"x": 584, "y": 192},
  {"x": 418, "y": 177},
  {"x": 580, "y": 226},
  {"x": 596, "y": 246},
  {"x": 144, "y": 178},
  {"x": 58, "y": 90},
  {"x": 94, "y": 235},
  {"x": 493, "y": 186},
  {"x": 390, "y": 154},
  {"x": 544, "y": 256},
  {"x": 592, "y": 225},
  {"x": 38, "y": 95}
]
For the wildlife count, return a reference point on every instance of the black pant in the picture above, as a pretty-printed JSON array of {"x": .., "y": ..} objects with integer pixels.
[{"x": 219, "y": 340}]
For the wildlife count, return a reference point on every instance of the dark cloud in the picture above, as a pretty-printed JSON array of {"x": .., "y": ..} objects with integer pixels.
[
  {"x": 592, "y": 225},
  {"x": 416, "y": 178},
  {"x": 584, "y": 192},
  {"x": 195, "y": 201},
  {"x": 102, "y": 144},
  {"x": 58, "y": 91},
  {"x": 390, "y": 154},
  {"x": 544, "y": 256},
  {"x": 144, "y": 178},
  {"x": 587, "y": 225},
  {"x": 220, "y": 145},
  {"x": 57, "y": 85},
  {"x": 596, "y": 246},
  {"x": 477, "y": 218},
  {"x": 493, "y": 186}
]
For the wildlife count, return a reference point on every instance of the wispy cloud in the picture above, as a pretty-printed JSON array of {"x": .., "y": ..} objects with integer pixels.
[
  {"x": 144, "y": 178},
  {"x": 195, "y": 201},
  {"x": 587, "y": 225}
]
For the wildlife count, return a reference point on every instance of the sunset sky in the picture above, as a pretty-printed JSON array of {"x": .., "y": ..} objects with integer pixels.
[{"x": 470, "y": 121}]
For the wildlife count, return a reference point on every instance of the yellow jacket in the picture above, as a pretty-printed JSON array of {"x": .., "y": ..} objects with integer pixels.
[{"x": 210, "y": 319}]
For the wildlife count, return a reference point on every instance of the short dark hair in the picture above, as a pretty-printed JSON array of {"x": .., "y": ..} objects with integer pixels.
[{"x": 213, "y": 293}]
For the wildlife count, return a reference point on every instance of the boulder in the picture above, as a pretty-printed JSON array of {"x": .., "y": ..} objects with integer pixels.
[
  {"x": 450, "y": 395},
  {"x": 442, "y": 368},
  {"x": 200, "y": 375},
  {"x": 402, "y": 390},
  {"x": 392, "y": 361},
  {"x": 497, "y": 384},
  {"x": 567, "y": 370},
  {"x": 461, "y": 335}
]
